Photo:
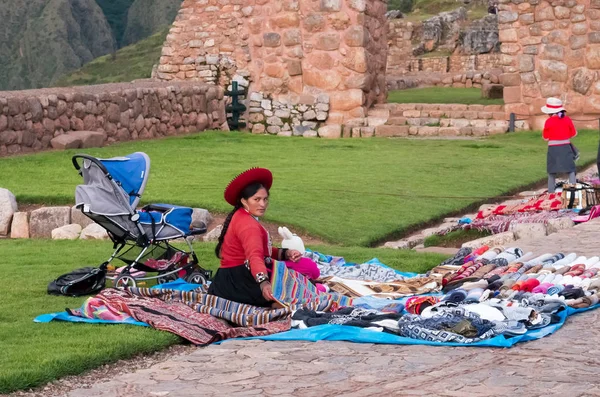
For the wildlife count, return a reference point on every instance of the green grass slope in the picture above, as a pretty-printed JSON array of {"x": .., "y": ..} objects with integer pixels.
[
  {"x": 42, "y": 40},
  {"x": 352, "y": 192},
  {"x": 130, "y": 63}
]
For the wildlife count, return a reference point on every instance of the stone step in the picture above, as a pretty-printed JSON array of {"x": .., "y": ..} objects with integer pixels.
[
  {"x": 446, "y": 122},
  {"x": 387, "y": 130},
  {"x": 454, "y": 114}
]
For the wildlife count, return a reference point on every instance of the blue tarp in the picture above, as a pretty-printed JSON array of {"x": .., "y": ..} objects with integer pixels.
[
  {"x": 351, "y": 334},
  {"x": 64, "y": 316},
  {"x": 361, "y": 335}
]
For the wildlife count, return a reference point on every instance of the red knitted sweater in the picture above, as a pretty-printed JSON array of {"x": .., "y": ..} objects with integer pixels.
[
  {"x": 557, "y": 129},
  {"x": 246, "y": 239}
]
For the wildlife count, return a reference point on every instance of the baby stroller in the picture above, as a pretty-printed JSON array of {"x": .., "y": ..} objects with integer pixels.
[{"x": 111, "y": 191}]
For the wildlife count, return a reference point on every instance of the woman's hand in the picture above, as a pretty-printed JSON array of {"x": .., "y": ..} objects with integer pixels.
[
  {"x": 293, "y": 255},
  {"x": 267, "y": 291}
]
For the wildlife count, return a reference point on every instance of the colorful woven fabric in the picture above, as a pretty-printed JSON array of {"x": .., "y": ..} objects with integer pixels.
[
  {"x": 181, "y": 319},
  {"x": 544, "y": 202},
  {"x": 293, "y": 289},
  {"x": 416, "y": 304},
  {"x": 99, "y": 308},
  {"x": 234, "y": 312},
  {"x": 502, "y": 223}
]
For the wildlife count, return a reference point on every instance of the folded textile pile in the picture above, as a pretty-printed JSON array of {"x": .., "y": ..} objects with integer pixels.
[
  {"x": 502, "y": 223},
  {"x": 372, "y": 270},
  {"x": 356, "y": 317},
  {"x": 543, "y": 202}
]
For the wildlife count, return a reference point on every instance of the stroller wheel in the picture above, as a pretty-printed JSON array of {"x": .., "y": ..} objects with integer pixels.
[
  {"x": 125, "y": 281},
  {"x": 196, "y": 277}
]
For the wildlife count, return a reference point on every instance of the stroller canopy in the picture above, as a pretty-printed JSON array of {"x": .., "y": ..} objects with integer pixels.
[
  {"x": 131, "y": 173},
  {"x": 124, "y": 177}
]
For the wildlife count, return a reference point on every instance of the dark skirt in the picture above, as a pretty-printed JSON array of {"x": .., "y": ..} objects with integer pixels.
[
  {"x": 560, "y": 159},
  {"x": 237, "y": 284}
]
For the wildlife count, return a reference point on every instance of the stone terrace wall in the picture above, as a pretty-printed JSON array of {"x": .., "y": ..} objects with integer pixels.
[
  {"x": 550, "y": 49},
  {"x": 451, "y": 63},
  {"x": 29, "y": 120},
  {"x": 290, "y": 52},
  {"x": 458, "y": 80}
]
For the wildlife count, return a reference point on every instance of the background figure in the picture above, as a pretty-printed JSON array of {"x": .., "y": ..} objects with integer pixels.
[{"x": 558, "y": 131}]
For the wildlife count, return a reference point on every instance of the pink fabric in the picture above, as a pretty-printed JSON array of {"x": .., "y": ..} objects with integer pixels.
[
  {"x": 594, "y": 213},
  {"x": 321, "y": 287},
  {"x": 305, "y": 266},
  {"x": 543, "y": 288}
]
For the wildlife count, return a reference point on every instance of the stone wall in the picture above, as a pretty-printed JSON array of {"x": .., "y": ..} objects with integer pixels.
[
  {"x": 30, "y": 120},
  {"x": 288, "y": 52},
  {"x": 456, "y": 80},
  {"x": 422, "y": 120},
  {"x": 550, "y": 49},
  {"x": 445, "y": 64}
]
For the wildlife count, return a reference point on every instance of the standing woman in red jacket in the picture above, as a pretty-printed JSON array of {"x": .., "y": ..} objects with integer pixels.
[
  {"x": 244, "y": 246},
  {"x": 558, "y": 131}
]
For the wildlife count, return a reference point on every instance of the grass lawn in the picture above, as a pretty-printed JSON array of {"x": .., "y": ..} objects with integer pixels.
[
  {"x": 351, "y": 192},
  {"x": 34, "y": 354},
  {"x": 466, "y": 96},
  {"x": 130, "y": 63},
  {"x": 454, "y": 239}
]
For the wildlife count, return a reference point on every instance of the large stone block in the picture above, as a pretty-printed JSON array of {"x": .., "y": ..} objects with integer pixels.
[
  {"x": 67, "y": 232},
  {"x": 583, "y": 79},
  {"x": 528, "y": 231},
  {"x": 347, "y": 100},
  {"x": 20, "y": 225},
  {"x": 391, "y": 130},
  {"x": 557, "y": 224},
  {"x": 93, "y": 232},
  {"x": 44, "y": 220},
  {"x": 330, "y": 131},
  {"x": 554, "y": 70},
  {"x": 201, "y": 218},
  {"x": 8, "y": 207},
  {"x": 89, "y": 139},
  {"x": 500, "y": 239},
  {"x": 66, "y": 141}
]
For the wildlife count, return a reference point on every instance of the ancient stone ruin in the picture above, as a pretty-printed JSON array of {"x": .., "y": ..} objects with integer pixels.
[
  {"x": 551, "y": 49},
  {"x": 311, "y": 66}
]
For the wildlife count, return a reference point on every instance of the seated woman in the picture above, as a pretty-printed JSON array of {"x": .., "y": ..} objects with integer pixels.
[{"x": 244, "y": 246}]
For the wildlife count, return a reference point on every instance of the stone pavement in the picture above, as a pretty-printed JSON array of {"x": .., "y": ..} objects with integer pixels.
[
  {"x": 583, "y": 239},
  {"x": 564, "y": 364}
]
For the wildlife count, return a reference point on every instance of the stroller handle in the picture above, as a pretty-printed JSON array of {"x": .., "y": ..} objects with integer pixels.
[{"x": 92, "y": 159}]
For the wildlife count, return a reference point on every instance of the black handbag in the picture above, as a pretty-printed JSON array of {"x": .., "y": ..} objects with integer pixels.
[{"x": 80, "y": 282}]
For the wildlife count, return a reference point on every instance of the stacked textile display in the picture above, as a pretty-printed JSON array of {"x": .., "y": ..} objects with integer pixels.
[{"x": 492, "y": 296}]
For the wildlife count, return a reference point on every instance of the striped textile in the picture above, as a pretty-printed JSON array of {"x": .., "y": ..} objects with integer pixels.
[
  {"x": 234, "y": 312},
  {"x": 502, "y": 223},
  {"x": 181, "y": 319},
  {"x": 294, "y": 290}
]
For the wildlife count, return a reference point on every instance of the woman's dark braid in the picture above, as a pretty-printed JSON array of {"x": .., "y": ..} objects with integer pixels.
[{"x": 224, "y": 231}]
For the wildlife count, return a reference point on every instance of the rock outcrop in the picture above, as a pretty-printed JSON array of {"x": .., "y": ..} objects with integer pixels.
[
  {"x": 481, "y": 37},
  {"x": 440, "y": 32},
  {"x": 42, "y": 40}
]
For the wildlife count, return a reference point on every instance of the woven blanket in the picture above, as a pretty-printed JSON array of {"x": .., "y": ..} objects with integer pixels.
[
  {"x": 234, "y": 312},
  {"x": 293, "y": 290},
  {"x": 544, "y": 202},
  {"x": 502, "y": 223},
  {"x": 407, "y": 287},
  {"x": 182, "y": 319},
  {"x": 372, "y": 270}
]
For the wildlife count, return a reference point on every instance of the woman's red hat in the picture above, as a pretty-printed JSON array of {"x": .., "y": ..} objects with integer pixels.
[{"x": 233, "y": 191}]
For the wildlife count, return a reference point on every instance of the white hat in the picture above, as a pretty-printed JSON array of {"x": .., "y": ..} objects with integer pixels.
[{"x": 553, "y": 105}]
